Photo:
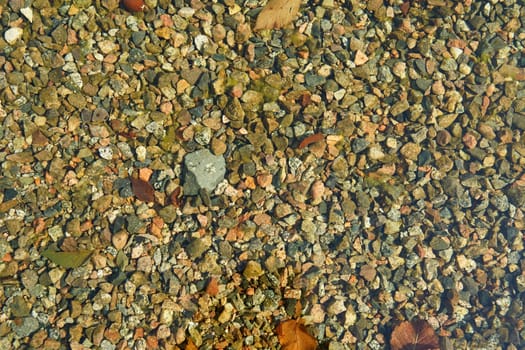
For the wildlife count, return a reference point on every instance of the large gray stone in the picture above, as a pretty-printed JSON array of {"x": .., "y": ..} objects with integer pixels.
[{"x": 203, "y": 170}]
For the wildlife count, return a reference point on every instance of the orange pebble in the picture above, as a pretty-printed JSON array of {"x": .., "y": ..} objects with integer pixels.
[{"x": 134, "y": 5}]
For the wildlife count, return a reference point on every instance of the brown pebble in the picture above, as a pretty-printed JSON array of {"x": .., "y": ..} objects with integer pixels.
[
  {"x": 368, "y": 272},
  {"x": 134, "y": 5},
  {"x": 264, "y": 180},
  {"x": 443, "y": 137},
  {"x": 119, "y": 239},
  {"x": 317, "y": 191},
  {"x": 470, "y": 140},
  {"x": 218, "y": 146},
  {"x": 487, "y": 131}
]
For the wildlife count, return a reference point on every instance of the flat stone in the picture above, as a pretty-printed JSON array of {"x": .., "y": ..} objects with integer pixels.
[
  {"x": 410, "y": 150},
  {"x": 203, "y": 170},
  {"x": 20, "y": 307},
  {"x": 196, "y": 248},
  {"x": 26, "y": 326}
]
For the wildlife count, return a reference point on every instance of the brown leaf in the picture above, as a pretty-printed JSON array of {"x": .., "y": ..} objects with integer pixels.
[
  {"x": 415, "y": 335},
  {"x": 176, "y": 198},
  {"x": 405, "y": 7},
  {"x": 277, "y": 14},
  {"x": 310, "y": 139},
  {"x": 293, "y": 336},
  {"x": 142, "y": 190}
]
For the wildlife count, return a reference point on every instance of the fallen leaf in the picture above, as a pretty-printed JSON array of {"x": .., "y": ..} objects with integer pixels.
[
  {"x": 293, "y": 336},
  {"x": 277, "y": 14},
  {"x": 142, "y": 190},
  {"x": 176, "y": 198},
  {"x": 415, "y": 335},
  {"x": 310, "y": 139},
  {"x": 67, "y": 259},
  {"x": 405, "y": 7}
]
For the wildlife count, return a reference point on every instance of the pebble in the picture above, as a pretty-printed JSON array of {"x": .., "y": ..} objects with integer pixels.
[
  {"x": 200, "y": 41},
  {"x": 413, "y": 126},
  {"x": 204, "y": 170},
  {"x": 410, "y": 150},
  {"x": 443, "y": 137},
  {"x": 196, "y": 248},
  {"x": 106, "y": 152},
  {"x": 12, "y": 35},
  {"x": 253, "y": 270},
  {"x": 25, "y": 327},
  {"x": 119, "y": 240},
  {"x": 227, "y": 313}
]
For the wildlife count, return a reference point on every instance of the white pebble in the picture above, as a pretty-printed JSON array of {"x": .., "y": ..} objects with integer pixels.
[
  {"x": 13, "y": 34},
  {"x": 186, "y": 12},
  {"x": 339, "y": 94},
  {"x": 27, "y": 12},
  {"x": 456, "y": 52},
  {"x": 106, "y": 152},
  {"x": 141, "y": 153},
  {"x": 200, "y": 41}
]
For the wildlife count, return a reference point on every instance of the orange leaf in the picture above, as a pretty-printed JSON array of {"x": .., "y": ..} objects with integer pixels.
[
  {"x": 311, "y": 139},
  {"x": 415, "y": 335},
  {"x": 142, "y": 190},
  {"x": 293, "y": 336},
  {"x": 277, "y": 14}
]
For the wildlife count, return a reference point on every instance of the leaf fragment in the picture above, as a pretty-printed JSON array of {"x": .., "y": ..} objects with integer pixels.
[
  {"x": 67, "y": 259},
  {"x": 142, "y": 190},
  {"x": 292, "y": 335},
  {"x": 277, "y": 14},
  {"x": 415, "y": 335},
  {"x": 311, "y": 139}
]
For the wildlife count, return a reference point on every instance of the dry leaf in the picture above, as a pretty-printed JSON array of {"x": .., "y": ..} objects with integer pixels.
[
  {"x": 405, "y": 7},
  {"x": 415, "y": 335},
  {"x": 277, "y": 14},
  {"x": 67, "y": 259},
  {"x": 142, "y": 190},
  {"x": 293, "y": 336},
  {"x": 311, "y": 139},
  {"x": 176, "y": 198}
]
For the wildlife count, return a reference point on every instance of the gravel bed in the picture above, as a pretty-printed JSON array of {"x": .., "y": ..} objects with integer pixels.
[{"x": 170, "y": 177}]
